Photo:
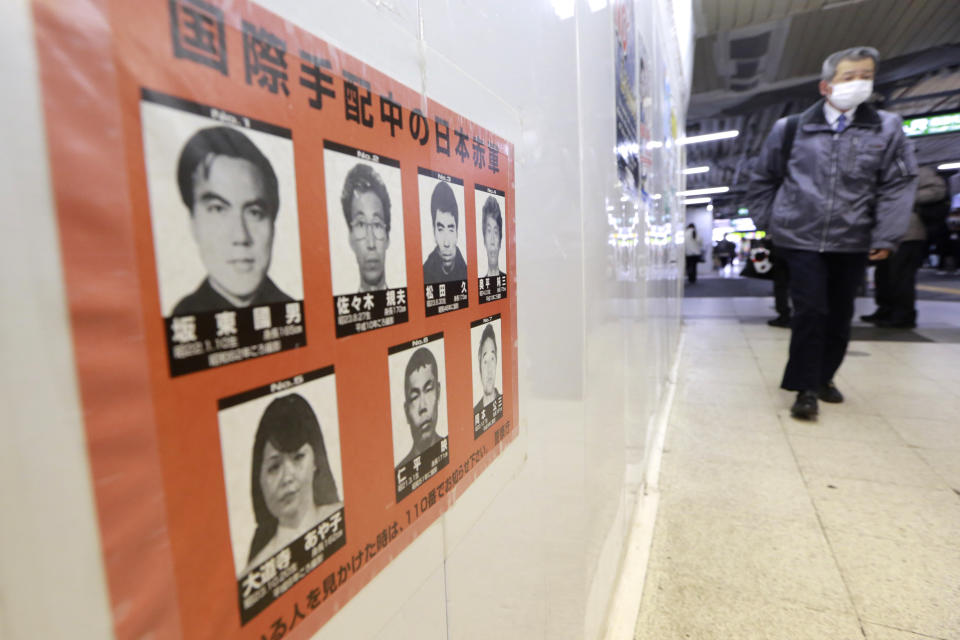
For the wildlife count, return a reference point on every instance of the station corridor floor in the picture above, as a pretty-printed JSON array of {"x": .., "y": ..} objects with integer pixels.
[{"x": 847, "y": 528}]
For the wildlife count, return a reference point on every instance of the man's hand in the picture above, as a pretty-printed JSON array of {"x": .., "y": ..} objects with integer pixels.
[{"x": 876, "y": 255}]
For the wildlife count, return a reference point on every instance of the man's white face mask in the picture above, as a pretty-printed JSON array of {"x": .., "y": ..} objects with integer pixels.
[{"x": 850, "y": 94}]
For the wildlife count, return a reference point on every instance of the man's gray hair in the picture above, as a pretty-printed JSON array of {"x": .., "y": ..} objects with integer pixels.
[{"x": 853, "y": 53}]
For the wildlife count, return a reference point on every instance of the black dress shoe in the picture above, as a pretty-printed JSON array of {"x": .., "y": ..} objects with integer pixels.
[
  {"x": 805, "y": 406},
  {"x": 779, "y": 321},
  {"x": 876, "y": 316},
  {"x": 830, "y": 393},
  {"x": 887, "y": 323}
]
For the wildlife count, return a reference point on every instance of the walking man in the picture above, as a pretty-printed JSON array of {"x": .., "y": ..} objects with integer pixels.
[{"x": 834, "y": 187}]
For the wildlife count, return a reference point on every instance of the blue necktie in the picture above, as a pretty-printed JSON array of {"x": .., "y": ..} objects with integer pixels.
[{"x": 841, "y": 123}]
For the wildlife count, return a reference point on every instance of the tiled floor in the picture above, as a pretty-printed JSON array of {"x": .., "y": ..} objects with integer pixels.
[{"x": 847, "y": 528}]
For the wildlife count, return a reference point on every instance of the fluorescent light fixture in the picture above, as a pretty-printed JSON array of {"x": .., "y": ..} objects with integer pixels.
[
  {"x": 707, "y": 137},
  {"x": 703, "y": 192},
  {"x": 698, "y": 201},
  {"x": 654, "y": 144},
  {"x": 836, "y": 4},
  {"x": 948, "y": 166},
  {"x": 692, "y": 170}
]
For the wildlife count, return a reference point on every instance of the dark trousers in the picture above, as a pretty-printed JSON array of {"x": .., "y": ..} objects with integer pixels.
[
  {"x": 822, "y": 287},
  {"x": 692, "y": 262},
  {"x": 781, "y": 285},
  {"x": 896, "y": 280}
]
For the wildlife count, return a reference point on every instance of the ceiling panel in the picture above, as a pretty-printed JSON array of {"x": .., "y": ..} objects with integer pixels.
[
  {"x": 918, "y": 39},
  {"x": 890, "y": 37},
  {"x": 895, "y": 27},
  {"x": 919, "y": 22},
  {"x": 704, "y": 70},
  {"x": 949, "y": 26},
  {"x": 765, "y": 11},
  {"x": 744, "y": 13},
  {"x": 726, "y": 17}
]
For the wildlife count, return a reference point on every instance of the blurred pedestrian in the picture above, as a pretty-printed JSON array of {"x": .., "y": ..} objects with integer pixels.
[
  {"x": 781, "y": 290},
  {"x": 896, "y": 278},
  {"x": 724, "y": 251},
  {"x": 693, "y": 251}
]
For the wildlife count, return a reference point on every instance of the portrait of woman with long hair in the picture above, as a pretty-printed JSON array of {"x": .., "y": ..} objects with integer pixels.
[{"x": 291, "y": 483}]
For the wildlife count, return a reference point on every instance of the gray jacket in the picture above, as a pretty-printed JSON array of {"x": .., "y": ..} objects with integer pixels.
[{"x": 843, "y": 192}]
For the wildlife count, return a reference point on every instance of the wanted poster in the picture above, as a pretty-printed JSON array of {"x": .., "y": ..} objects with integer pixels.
[
  {"x": 419, "y": 411},
  {"x": 280, "y": 447},
  {"x": 487, "y": 373},
  {"x": 367, "y": 257},
  {"x": 223, "y": 209},
  {"x": 443, "y": 241},
  {"x": 491, "y": 258},
  {"x": 240, "y": 176}
]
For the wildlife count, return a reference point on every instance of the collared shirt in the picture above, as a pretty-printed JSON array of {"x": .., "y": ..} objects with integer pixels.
[{"x": 832, "y": 114}]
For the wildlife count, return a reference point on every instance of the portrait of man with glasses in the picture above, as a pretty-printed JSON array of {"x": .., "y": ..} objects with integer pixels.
[
  {"x": 366, "y": 209},
  {"x": 367, "y": 256}
]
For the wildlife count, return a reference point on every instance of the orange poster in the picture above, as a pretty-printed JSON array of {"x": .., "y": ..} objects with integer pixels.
[{"x": 293, "y": 299}]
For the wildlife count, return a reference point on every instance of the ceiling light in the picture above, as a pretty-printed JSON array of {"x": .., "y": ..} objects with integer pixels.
[
  {"x": 707, "y": 137},
  {"x": 836, "y": 4},
  {"x": 703, "y": 192},
  {"x": 692, "y": 170},
  {"x": 948, "y": 166},
  {"x": 698, "y": 201}
]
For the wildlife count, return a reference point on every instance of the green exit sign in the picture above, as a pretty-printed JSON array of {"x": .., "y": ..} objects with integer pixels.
[
  {"x": 742, "y": 211},
  {"x": 930, "y": 125}
]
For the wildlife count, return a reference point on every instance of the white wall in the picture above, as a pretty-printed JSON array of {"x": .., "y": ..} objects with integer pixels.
[{"x": 533, "y": 548}]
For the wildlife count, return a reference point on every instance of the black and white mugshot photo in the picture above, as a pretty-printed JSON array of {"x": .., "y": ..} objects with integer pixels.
[
  {"x": 443, "y": 241},
  {"x": 283, "y": 479},
  {"x": 418, "y": 411},
  {"x": 443, "y": 236},
  {"x": 491, "y": 243},
  {"x": 491, "y": 249},
  {"x": 365, "y": 218},
  {"x": 223, "y": 209},
  {"x": 487, "y": 373}
]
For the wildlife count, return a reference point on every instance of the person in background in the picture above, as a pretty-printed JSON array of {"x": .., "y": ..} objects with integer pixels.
[
  {"x": 934, "y": 216},
  {"x": 896, "y": 278},
  {"x": 781, "y": 290},
  {"x": 724, "y": 252},
  {"x": 841, "y": 196},
  {"x": 950, "y": 244},
  {"x": 693, "y": 251}
]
